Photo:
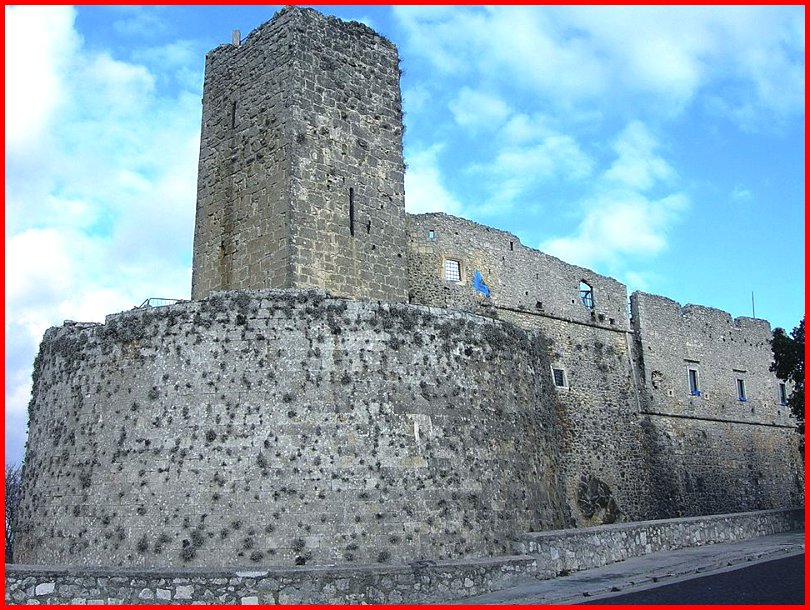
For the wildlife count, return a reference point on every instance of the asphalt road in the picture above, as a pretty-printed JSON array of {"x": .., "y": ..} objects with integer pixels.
[{"x": 780, "y": 581}]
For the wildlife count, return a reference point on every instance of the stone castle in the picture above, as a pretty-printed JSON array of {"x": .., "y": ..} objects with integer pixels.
[{"x": 354, "y": 384}]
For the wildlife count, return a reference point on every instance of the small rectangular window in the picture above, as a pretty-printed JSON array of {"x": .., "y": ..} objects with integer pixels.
[
  {"x": 783, "y": 398},
  {"x": 452, "y": 270},
  {"x": 741, "y": 390},
  {"x": 431, "y": 234},
  {"x": 694, "y": 386},
  {"x": 559, "y": 378}
]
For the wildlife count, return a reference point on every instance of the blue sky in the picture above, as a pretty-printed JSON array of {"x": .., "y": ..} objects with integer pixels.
[{"x": 663, "y": 146}]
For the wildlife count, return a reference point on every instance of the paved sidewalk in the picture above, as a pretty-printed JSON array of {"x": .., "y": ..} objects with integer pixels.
[{"x": 645, "y": 572}]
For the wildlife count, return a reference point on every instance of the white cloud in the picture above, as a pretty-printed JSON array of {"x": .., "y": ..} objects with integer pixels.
[
  {"x": 515, "y": 170},
  {"x": 619, "y": 219},
  {"x": 553, "y": 155},
  {"x": 415, "y": 98},
  {"x": 637, "y": 165},
  {"x": 424, "y": 188},
  {"x": 40, "y": 42},
  {"x": 658, "y": 59},
  {"x": 139, "y": 21},
  {"x": 101, "y": 216},
  {"x": 478, "y": 109},
  {"x": 740, "y": 194},
  {"x": 523, "y": 128},
  {"x": 431, "y": 30},
  {"x": 619, "y": 225}
]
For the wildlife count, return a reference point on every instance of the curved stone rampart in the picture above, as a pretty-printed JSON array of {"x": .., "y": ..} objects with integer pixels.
[{"x": 287, "y": 428}]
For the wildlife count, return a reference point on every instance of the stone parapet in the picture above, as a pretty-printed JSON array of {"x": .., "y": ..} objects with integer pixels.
[{"x": 591, "y": 547}]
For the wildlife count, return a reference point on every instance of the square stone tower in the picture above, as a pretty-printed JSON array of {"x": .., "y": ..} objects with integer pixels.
[{"x": 300, "y": 180}]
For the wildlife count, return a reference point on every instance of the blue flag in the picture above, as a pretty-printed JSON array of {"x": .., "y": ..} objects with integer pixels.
[{"x": 478, "y": 283}]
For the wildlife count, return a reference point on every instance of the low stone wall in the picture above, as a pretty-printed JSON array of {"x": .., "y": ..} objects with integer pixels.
[
  {"x": 545, "y": 555},
  {"x": 591, "y": 547},
  {"x": 419, "y": 582}
]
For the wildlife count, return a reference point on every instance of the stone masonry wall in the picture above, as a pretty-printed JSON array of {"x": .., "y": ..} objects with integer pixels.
[
  {"x": 301, "y": 171},
  {"x": 637, "y": 445},
  {"x": 605, "y": 469},
  {"x": 287, "y": 428},
  {"x": 348, "y": 193},
  {"x": 712, "y": 452},
  {"x": 242, "y": 228},
  {"x": 545, "y": 555},
  {"x": 519, "y": 277}
]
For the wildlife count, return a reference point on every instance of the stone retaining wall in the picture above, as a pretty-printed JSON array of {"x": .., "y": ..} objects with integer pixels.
[
  {"x": 548, "y": 554},
  {"x": 419, "y": 582},
  {"x": 591, "y": 547}
]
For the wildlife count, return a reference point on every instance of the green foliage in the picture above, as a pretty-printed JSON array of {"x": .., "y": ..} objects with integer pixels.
[
  {"x": 13, "y": 489},
  {"x": 788, "y": 364}
]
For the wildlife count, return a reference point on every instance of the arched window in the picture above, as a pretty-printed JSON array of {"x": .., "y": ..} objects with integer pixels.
[{"x": 586, "y": 294}]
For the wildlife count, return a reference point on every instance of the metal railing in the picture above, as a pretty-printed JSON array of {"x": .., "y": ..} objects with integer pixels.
[{"x": 157, "y": 302}]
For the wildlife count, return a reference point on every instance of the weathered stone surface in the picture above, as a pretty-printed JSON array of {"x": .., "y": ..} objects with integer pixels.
[
  {"x": 628, "y": 413},
  {"x": 544, "y": 555},
  {"x": 164, "y": 594},
  {"x": 301, "y": 179},
  {"x": 289, "y": 428},
  {"x": 183, "y": 592},
  {"x": 351, "y": 432}
]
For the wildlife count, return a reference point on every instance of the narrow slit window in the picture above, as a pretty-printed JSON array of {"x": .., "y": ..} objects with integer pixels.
[
  {"x": 783, "y": 398},
  {"x": 233, "y": 115},
  {"x": 351, "y": 211},
  {"x": 586, "y": 294},
  {"x": 368, "y": 226},
  {"x": 511, "y": 245},
  {"x": 559, "y": 378},
  {"x": 694, "y": 385},
  {"x": 741, "y": 390},
  {"x": 452, "y": 270}
]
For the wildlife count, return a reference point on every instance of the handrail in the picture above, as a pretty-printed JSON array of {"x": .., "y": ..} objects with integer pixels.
[{"x": 158, "y": 302}]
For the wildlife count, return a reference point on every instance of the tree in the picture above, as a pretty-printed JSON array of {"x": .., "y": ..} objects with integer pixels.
[
  {"x": 13, "y": 493},
  {"x": 788, "y": 364}
]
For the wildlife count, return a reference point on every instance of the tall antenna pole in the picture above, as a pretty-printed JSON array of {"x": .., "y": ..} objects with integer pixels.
[{"x": 753, "y": 310}]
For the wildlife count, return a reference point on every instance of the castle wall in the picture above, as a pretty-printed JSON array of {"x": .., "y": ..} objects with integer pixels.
[
  {"x": 713, "y": 452},
  {"x": 301, "y": 170},
  {"x": 604, "y": 467},
  {"x": 638, "y": 445},
  {"x": 537, "y": 556},
  {"x": 287, "y": 428},
  {"x": 519, "y": 277}
]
